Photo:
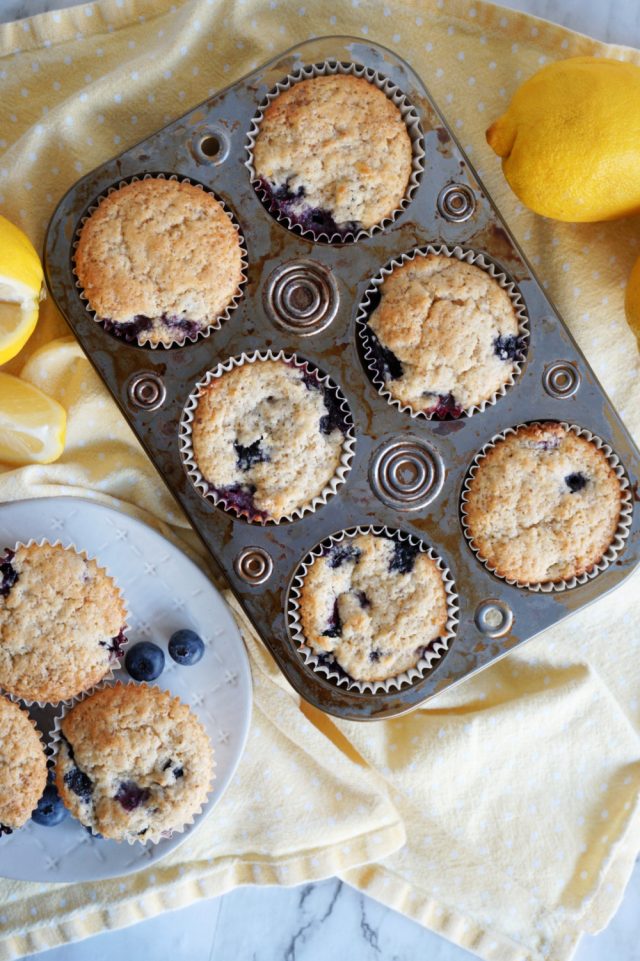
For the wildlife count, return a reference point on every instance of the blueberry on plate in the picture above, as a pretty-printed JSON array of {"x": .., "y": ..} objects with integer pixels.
[
  {"x": 144, "y": 661},
  {"x": 186, "y": 647},
  {"x": 50, "y": 809}
]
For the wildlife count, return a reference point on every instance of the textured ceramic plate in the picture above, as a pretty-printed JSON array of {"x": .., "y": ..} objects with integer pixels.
[{"x": 164, "y": 591}]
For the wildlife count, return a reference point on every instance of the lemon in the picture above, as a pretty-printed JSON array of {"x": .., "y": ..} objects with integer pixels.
[
  {"x": 21, "y": 280},
  {"x": 632, "y": 300},
  {"x": 570, "y": 140},
  {"x": 32, "y": 425}
]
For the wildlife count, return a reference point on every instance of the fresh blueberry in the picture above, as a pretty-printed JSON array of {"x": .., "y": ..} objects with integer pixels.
[
  {"x": 50, "y": 810},
  {"x": 404, "y": 557},
  {"x": 4, "y": 829},
  {"x": 340, "y": 553},
  {"x": 80, "y": 783},
  {"x": 144, "y": 661},
  {"x": 575, "y": 482},
  {"x": 334, "y": 628},
  {"x": 186, "y": 647},
  {"x": 130, "y": 795},
  {"x": 508, "y": 347},
  {"x": 250, "y": 455}
]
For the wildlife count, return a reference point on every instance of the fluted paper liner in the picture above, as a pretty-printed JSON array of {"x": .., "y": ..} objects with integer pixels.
[
  {"x": 56, "y": 735},
  {"x": 115, "y": 662},
  {"x": 469, "y": 256},
  {"x": 186, "y": 444},
  {"x": 133, "y": 338},
  {"x": 619, "y": 538},
  {"x": 392, "y": 92},
  {"x": 436, "y": 649}
]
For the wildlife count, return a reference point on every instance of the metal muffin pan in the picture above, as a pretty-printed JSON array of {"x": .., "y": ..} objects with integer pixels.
[{"x": 303, "y": 298}]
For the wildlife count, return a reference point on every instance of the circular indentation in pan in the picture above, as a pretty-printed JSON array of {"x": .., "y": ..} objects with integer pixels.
[
  {"x": 146, "y": 390},
  {"x": 561, "y": 379},
  {"x": 301, "y": 296},
  {"x": 254, "y": 565},
  {"x": 456, "y": 202},
  {"x": 211, "y": 145},
  {"x": 407, "y": 473},
  {"x": 493, "y": 617}
]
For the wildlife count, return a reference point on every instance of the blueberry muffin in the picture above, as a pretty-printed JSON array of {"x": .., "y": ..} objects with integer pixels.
[
  {"x": 133, "y": 763},
  {"x": 372, "y": 605},
  {"x": 23, "y": 767},
  {"x": 333, "y": 154},
  {"x": 543, "y": 505},
  {"x": 444, "y": 336},
  {"x": 61, "y": 623},
  {"x": 268, "y": 437},
  {"x": 159, "y": 261}
]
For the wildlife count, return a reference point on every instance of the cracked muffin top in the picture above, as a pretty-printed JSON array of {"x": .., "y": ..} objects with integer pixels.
[
  {"x": 446, "y": 335},
  {"x": 159, "y": 260},
  {"x": 61, "y": 623},
  {"x": 372, "y": 605},
  {"x": 268, "y": 437},
  {"x": 543, "y": 505},
  {"x": 333, "y": 154},
  {"x": 134, "y": 762},
  {"x": 23, "y": 766}
]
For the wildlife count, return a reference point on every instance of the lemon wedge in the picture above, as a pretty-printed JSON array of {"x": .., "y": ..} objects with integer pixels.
[
  {"x": 21, "y": 281},
  {"x": 32, "y": 425}
]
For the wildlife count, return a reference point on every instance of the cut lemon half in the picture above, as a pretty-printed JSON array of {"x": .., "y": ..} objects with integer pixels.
[
  {"x": 32, "y": 425},
  {"x": 21, "y": 280}
]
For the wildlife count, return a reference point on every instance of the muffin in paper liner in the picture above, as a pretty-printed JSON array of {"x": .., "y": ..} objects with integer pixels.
[
  {"x": 56, "y": 737},
  {"x": 249, "y": 514},
  {"x": 409, "y": 115},
  {"x": 133, "y": 336},
  {"x": 326, "y": 666},
  {"x": 120, "y": 641},
  {"x": 6, "y": 829},
  {"x": 371, "y": 346},
  {"x": 619, "y": 538}
]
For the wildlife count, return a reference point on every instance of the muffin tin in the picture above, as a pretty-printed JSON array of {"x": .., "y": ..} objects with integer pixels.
[{"x": 303, "y": 298}]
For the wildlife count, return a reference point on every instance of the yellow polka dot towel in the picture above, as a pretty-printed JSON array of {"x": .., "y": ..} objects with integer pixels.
[{"x": 503, "y": 815}]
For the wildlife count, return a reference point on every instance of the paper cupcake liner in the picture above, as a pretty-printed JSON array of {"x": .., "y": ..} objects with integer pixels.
[
  {"x": 45, "y": 750},
  {"x": 393, "y": 93},
  {"x": 54, "y": 705},
  {"x": 132, "y": 337},
  {"x": 435, "y": 651},
  {"x": 188, "y": 455},
  {"x": 56, "y": 736},
  {"x": 619, "y": 538},
  {"x": 469, "y": 256}
]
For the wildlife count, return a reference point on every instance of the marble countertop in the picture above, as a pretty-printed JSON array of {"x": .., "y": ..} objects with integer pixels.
[{"x": 316, "y": 921}]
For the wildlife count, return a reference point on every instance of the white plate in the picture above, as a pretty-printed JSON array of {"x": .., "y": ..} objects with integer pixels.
[{"x": 164, "y": 591}]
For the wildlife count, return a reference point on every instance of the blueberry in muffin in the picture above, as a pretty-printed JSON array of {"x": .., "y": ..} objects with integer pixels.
[
  {"x": 333, "y": 154},
  {"x": 543, "y": 505},
  {"x": 268, "y": 437},
  {"x": 443, "y": 335},
  {"x": 134, "y": 763},
  {"x": 159, "y": 261},
  {"x": 372, "y": 605},
  {"x": 61, "y": 623}
]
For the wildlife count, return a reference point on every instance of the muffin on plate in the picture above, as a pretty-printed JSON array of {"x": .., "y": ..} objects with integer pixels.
[
  {"x": 268, "y": 437},
  {"x": 445, "y": 336},
  {"x": 159, "y": 261},
  {"x": 134, "y": 763},
  {"x": 61, "y": 622},
  {"x": 333, "y": 154},
  {"x": 543, "y": 505},
  {"x": 23, "y": 767},
  {"x": 373, "y": 605}
]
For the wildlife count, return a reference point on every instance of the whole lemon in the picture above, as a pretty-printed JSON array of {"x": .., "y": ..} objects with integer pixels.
[
  {"x": 570, "y": 140},
  {"x": 632, "y": 300}
]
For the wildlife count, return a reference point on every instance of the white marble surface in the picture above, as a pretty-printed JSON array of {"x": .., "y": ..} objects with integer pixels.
[{"x": 317, "y": 921}]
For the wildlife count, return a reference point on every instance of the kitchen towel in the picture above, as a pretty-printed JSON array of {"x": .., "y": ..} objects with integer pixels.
[{"x": 505, "y": 813}]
